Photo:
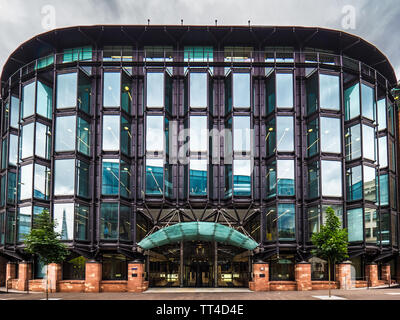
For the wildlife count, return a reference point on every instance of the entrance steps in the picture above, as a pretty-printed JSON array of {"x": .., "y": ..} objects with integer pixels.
[{"x": 197, "y": 290}]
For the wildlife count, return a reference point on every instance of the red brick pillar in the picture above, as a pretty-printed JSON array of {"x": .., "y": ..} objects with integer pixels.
[
  {"x": 398, "y": 270},
  {"x": 24, "y": 275},
  {"x": 260, "y": 277},
  {"x": 136, "y": 281},
  {"x": 343, "y": 275},
  {"x": 11, "y": 270},
  {"x": 371, "y": 272},
  {"x": 93, "y": 275},
  {"x": 302, "y": 273},
  {"x": 385, "y": 271},
  {"x": 55, "y": 275}
]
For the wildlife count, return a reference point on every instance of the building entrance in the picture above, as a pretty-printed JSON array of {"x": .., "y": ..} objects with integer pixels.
[{"x": 198, "y": 264}]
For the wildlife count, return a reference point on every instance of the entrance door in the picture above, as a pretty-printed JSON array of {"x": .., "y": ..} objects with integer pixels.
[{"x": 198, "y": 261}]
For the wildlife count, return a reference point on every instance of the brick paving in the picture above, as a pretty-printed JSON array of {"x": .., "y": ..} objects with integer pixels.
[{"x": 392, "y": 293}]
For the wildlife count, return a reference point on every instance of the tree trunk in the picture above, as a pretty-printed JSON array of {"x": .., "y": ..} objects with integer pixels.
[{"x": 329, "y": 276}]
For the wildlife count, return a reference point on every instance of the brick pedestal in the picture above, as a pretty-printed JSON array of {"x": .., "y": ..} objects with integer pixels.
[
  {"x": 385, "y": 271},
  {"x": 55, "y": 276},
  {"x": 136, "y": 281},
  {"x": 371, "y": 272},
  {"x": 24, "y": 275},
  {"x": 260, "y": 277},
  {"x": 343, "y": 275},
  {"x": 11, "y": 270},
  {"x": 302, "y": 273},
  {"x": 93, "y": 275}
]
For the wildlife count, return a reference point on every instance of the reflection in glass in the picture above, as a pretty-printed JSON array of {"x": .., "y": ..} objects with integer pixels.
[
  {"x": 393, "y": 192},
  {"x": 26, "y": 147},
  {"x": 14, "y": 117},
  {"x": 198, "y": 177},
  {"x": 384, "y": 189},
  {"x": 64, "y": 177},
  {"x": 384, "y": 226},
  {"x": 112, "y": 89},
  {"x": 369, "y": 183},
  {"x": 241, "y": 90},
  {"x": 24, "y": 222},
  {"x": 43, "y": 141},
  {"x": 110, "y": 177},
  {"x": 355, "y": 224},
  {"x": 67, "y": 90},
  {"x": 241, "y": 134},
  {"x": 11, "y": 187},
  {"x": 285, "y": 175},
  {"x": 368, "y": 101},
  {"x": 286, "y": 222},
  {"x": 354, "y": 183},
  {"x": 126, "y": 94},
  {"x": 353, "y": 142},
  {"x": 44, "y": 100},
  {"x": 154, "y": 133},
  {"x": 155, "y": 89},
  {"x": 271, "y": 137},
  {"x": 371, "y": 225},
  {"x": 82, "y": 179},
  {"x": 312, "y": 93},
  {"x": 338, "y": 212},
  {"x": 42, "y": 182},
  {"x": 125, "y": 223},
  {"x": 314, "y": 220},
  {"x": 331, "y": 178},
  {"x": 352, "y": 102},
  {"x": 285, "y": 133},
  {"x": 241, "y": 177},
  {"x": 81, "y": 222},
  {"x": 330, "y": 135},
  {"x": 271, "y": 179},
  {"x": 368, "y": 142},
  {"x": 329, "y": 92},
  {"x": 83, "y": 137},
  {"x": 4, "y": 153},
  {"x": 125, "y": 179},
  {"x": 84, "y": 93},
  {"x": 383, "y": 158},
  {"x": 198, "y": 134},
  {"x": 28, "y": 100},
  {"x": 313, "y": 180},
  {"x": 25, "y": 182},
  {"x": 382, "y": 114},
  {"x": 284, "y": 90},
  {"x": 198, "y": 90},
  {"x": 271, "y": 225},
  {"x": 154, "y": 176},
  {"x": 126, "y": 136},
  {"x": 312, "y": 138},
  {"x": 65, "y": 133},
  {"x": 64, "y": 218},
  {"x": 111, "y": 133},
  {"x": 109, "y": 221}
]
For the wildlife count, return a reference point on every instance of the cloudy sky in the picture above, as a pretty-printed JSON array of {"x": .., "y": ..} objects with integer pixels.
[{"x": 377, "y": 21}]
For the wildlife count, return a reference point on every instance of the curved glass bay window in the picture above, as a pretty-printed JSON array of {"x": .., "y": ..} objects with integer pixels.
[
  {"x": 72, "y": 221},
  {"x": 368, "y": 142},
  {"x": 280, "y": 174},
  {"x": 352, "y": 101},
  {"x": 368, "y": 101},
  {"x": 331, "y": 178},
  {"x": 317, "y": 217},
  {"x": 198, "y": 90},
  {"x": 67, "y": 184},
  {"x": 116, "y": 178},
  {"x": 281, "y": 222},
  {"x": 37, "y": 97},
  {"x": 116, "y": 134},
  {"x": 115, "y": 222},
  {"x": 25, "y": 220},
  {"x": 353, "y": 142},
  {"x": 73, "y": 90},
  {"x": 155, "y": 86}
]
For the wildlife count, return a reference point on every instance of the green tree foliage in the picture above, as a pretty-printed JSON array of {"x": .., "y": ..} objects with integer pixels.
[
  {"x": 331, "y": 242},
  {"x": 44, "y": 242}
]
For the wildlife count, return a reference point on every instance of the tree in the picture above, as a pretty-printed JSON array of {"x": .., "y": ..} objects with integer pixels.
[
  {"x": 45, "y": 243},
  {"x": 331, "y": 242}
]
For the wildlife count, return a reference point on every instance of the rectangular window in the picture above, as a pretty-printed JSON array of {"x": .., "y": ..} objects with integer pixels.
[
  {"x": 154, "y": 134},
  {"x": 271, "y": 231},
  {"x": 5, "y": 116},
  {"x": 13, "y": 154},
  {"x": 312, "y": 93},
  {"x": 64, "y": 177},
  {"x": 24, "y": 222},
  {"x": 67, "y": 90},
  {"x": 384, "y": 189},
  {"x": 382, "y": 114},
  {"x": 2, "y": 227},
  {"x": 155, "y": 90},
  {"x": 42, "y": 182},
  {"x": 314, "y": 220},
  {"x": 11, "y": 227},
  {"x": 125, "y": 179},
  {"x": 198, "y": 177},
  {"x": 271, "y": 179},
  {"x": 198, "y": 134},
  {"x": 330, "y": 135},
  {"x": 285, "y": 177},
  {"x": 111, "y": 133},
  {"x": 117, "y": 53},
  {"x": 198, "y": 90},
  {"x": 241, "y": 90},
  {"x": 338, "y": 212},
  {"x": 352, "y": 101},
  {"x": 241, "y": 177},
  {"x": 112, "y": 90},
  {"x": 109, "y": 221},
  {"x": 198, "y": 54},
  {"x": 126, "y": 94},
  {"x": 81, "y": 222},
  {"x": 28, "y": 100},
  {"x": 44, "y": 104},
  {"x": 371, "y": 226},
  {"x": 354, "y": 183},
  {"x": 126, "y": 136},
  {"x": 64, "y": 218},
  {"x": 368, "y": 101},
  {"x": 329, "y": 92},
  {"x": 383, "y": 157},
  {"x": 4, "y": 153},
  {"x": 82, "y": 179},
  {"x": 11, "y": 188},
  {"x": 3, "y": 191},
  {"x": 384, "y": 228},
  {"x": 284, "y": 90},
  {"x": 331, "y": 178},
  {"x": 353, "y": 142},
  {"x": 312, "y": 138},
  {"x": 241, "y": 134},
  {"x": 369, "y": 184},
  {"x": 26, "y": 147},
  {"x": 83, "y": 137},
  {"x": 110, "y": 177},
  {"x": 77, "y": 54},
  {"x": 271, "y": 137},
  {"x": 154, "y": 176},
  {"x": 313, "y": 180},
  {"x": 393, "y": 192},
  {"x": 65, "y": 133},
  {"x": 286, "y": 222},
  {"x": 228, "y": 180},
  {"x": 25, "y": 181},
  {"x": 84, "y": 92},
  {"x": 285, "y": 134},
  {"x": 125, "y": 223},
  {"x": 43, "y": 141},
  {"x": 355, "y": 224},
  {"x": 14, "y": 117},
  {"x": 368, "y": 143}
]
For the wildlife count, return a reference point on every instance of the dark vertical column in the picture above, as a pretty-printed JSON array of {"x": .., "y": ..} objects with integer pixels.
[
  {"x": 215, "y": 264},
  {"x": 181, "y": 271}
]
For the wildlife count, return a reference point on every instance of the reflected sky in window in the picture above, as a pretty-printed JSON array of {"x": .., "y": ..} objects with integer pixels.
[
  {"x": 154, "y": 133},
  {"x": 284, "y": 90},
  {"x": 331, "y": 135},
  {"x": 331, "y": 177},
  {"x": 285, "y": 134},
  {"x": 241, "y": 90},
  {"x": 198, "y": 90},
  {"x": 155, "y": 89},
  {"x": 111, "y": 133},
  {"x": 198, "y": 134}
]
